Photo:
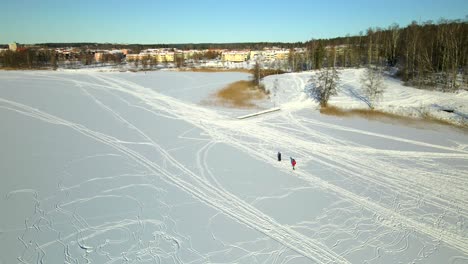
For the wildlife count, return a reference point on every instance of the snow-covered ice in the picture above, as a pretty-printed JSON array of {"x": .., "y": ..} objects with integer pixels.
[{"x": 109, "y": 167}]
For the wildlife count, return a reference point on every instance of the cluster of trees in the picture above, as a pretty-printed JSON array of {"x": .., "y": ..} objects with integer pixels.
[
  {"x": 325, "y": 82},
  {"x": 146, "y": 61},
  {"x": 428, "y": 54},
  {"x": 112, "y": 58},
  {"x": 208, "y": 55},
  {"x": 435, "y": 54},
  {"x": 28, "y": 58},
  {"x": 47, "y": 58}
]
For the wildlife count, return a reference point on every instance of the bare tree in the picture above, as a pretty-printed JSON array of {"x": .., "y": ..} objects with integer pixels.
[
  {"x": 332, "y": 56},
  {"x": 395, "y": 35},
  {"x": 154, "y": 61},
  {"x": 370, "y": 32},
  {"x": 275, "y": 91},
  {"x": 373, "y": 85},
  {"x": 257, "y": 73},
  {"x": 291, "y": 59},
  {"x": 53, "y": 60},
  {"x": 324, "y": 85},
  {"x": 179, "y": 59},
  {"x": 145, "y": 61},
  {"x": 136, "y": 62}
]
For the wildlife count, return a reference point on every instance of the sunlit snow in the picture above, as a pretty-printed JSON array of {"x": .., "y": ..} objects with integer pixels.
[{"x": 109, "y": 167}]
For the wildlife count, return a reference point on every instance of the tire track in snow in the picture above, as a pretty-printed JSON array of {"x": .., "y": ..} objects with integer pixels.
[
  {"x": 215, "y": 127},
  {"x": 220, "y": 130},
  {"x": 204, "y": 191}
]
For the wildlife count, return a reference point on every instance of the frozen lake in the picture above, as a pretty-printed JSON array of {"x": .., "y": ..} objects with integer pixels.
[{"x": 134, "y": 168}]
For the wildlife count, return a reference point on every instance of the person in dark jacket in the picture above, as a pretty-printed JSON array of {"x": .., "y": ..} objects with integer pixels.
[
  {"x": 293, "y": 162},
  {"x": 279, "y": 156}
]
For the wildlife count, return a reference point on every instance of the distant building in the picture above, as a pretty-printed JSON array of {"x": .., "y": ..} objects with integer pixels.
[
  {"x": 131, "y": 57},
  {"x": 98, "y": 56},
  {"x": 255, "y": 54},
  {"x": 190, "y": 53},
  {"x": 162, "y": 56},
  {"x": 281, "y": 54},
  {"x": 235, "y": 56},
  {"x": 269, "y": 54},
  {"x": 166, "y": 56},
  {"x": 13, "y": 46}
]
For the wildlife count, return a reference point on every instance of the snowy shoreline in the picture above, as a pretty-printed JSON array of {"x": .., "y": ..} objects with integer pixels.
[{"x": 397, "y": 99}]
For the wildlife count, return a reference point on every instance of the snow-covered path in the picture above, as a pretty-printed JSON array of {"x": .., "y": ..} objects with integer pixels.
[{"x": 388, "y": 193}]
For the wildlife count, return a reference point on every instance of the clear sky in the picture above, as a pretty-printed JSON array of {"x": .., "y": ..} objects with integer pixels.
[{"x": 202, "y": 21}]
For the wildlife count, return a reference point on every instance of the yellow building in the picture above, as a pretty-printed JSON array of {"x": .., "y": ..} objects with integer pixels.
[
  {"x": 132, "y": 57},
  {"x": 235, "y": 56},
  {"x": 282, "y": 55},
  {"x": 254, "y": 54},
  {"x": 188, "y": 54},
  {"x": 161, "y": 57},
  {"x": 165, "y": 57},
  {"x": 269, "y": 54}
]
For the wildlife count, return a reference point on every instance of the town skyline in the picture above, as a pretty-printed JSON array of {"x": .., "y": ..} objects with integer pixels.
[{"x": 207, "y": 21}]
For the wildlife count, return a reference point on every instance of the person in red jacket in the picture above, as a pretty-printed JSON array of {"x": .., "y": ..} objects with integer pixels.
[{"x": 293, "y": 162}]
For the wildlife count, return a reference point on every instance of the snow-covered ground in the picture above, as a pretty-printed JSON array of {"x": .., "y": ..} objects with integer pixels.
[
  {"x": 397, "y": 98},
  {"x": 109, "y": 167}
]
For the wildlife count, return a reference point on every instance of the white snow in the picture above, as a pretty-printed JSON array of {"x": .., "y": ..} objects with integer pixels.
[
  {"x": 109, "y": 167},
  {"x": 397, "y": 99}
]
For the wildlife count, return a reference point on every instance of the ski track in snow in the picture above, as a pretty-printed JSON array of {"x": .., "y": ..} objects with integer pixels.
[{"x": 405, "y": 192}]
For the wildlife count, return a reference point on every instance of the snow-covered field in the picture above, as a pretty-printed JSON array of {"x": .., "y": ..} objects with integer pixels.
[{"x": 106, "y": 167}]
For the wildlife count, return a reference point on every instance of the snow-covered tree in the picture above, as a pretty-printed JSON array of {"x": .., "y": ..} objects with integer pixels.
[
  {"x": 324, "y": 85},
  {"x": 373, "y": 85}
]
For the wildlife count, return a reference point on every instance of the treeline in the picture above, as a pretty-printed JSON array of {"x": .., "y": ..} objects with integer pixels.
[
  {"x": 29, "y": 58},
  {"x": 33, "y": 58},
  {"x": 426, "y": 54},
  {"x": 184, "y": 46}
]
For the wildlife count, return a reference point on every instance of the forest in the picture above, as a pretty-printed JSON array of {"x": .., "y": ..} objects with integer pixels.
[{"x": 426, "y": 54}]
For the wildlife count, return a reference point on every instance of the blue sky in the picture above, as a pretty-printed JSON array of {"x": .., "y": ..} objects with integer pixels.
[{"x": 202, "y": 21}]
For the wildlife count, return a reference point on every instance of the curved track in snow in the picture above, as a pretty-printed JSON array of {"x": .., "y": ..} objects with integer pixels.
[{"x": 358, "y": 164}]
